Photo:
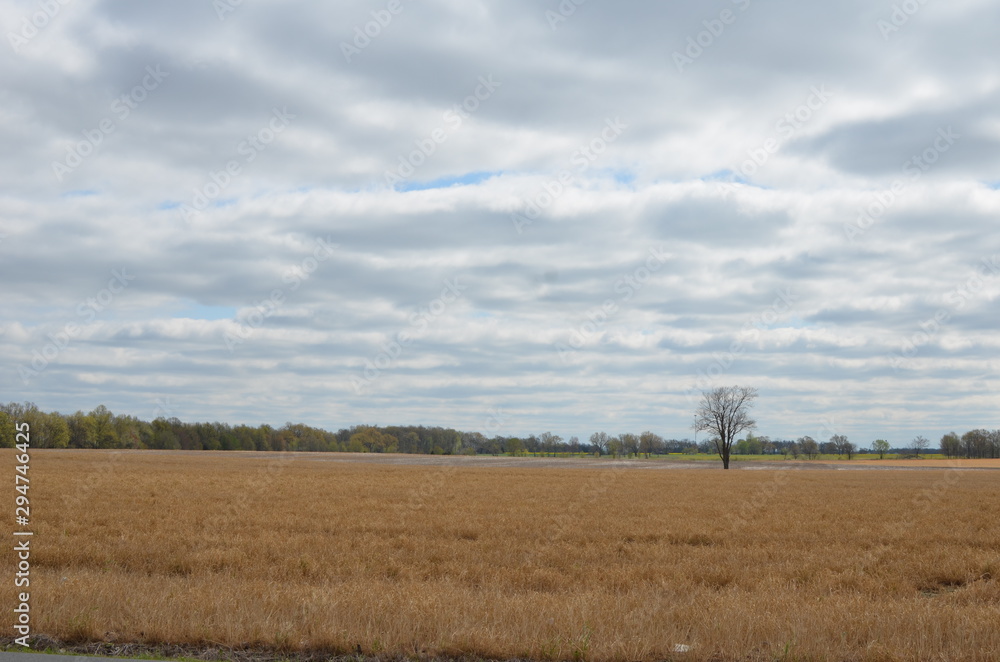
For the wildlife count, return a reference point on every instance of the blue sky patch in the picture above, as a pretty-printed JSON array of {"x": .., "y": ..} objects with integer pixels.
[
  {"x": 196, "y": 311},
  {"x": 468, "y": 179}
]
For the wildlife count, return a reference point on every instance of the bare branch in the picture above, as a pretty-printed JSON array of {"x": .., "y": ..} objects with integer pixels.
[{"x": 724, "y": 411}]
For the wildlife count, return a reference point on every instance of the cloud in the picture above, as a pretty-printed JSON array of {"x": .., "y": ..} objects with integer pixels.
[{"x": 798, "y": 253}]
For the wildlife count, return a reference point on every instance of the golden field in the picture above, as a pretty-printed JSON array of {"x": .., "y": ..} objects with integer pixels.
[{"x": 308, "y": 553}]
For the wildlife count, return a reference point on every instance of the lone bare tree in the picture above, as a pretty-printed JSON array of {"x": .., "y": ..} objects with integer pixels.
[{"x": 724, "y": 412}]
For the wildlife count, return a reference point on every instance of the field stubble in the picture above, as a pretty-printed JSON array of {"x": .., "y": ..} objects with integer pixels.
[{"x": 610, "y": 564}]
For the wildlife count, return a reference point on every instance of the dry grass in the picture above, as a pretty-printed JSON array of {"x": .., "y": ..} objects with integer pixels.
[{"x": 541, "y": 563}]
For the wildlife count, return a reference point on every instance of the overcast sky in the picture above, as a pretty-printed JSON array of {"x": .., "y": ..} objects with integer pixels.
[{"x": 504, "y": 216}]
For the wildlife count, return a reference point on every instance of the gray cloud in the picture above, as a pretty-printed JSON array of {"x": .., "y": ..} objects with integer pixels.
[{"x": 642, "y": 336}]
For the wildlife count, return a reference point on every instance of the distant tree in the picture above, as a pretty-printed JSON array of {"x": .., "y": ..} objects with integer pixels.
[
  {"x": 163, "y": 434},
  {"x": 951, "y": 445},
  {"x": 549, "y": 442},
  {"x": 920, "y": 443},
  {"x": 794, "y": 449},
  {"x": 599, "y": 440},
  {"x": 47, "y": 430},
  {"x": 372, "y": 439},
  {"x": 809, "y": 447},
  {"x": 313, "y": 439},
  {"x": 409, "y": 441},
  {"x": 629, "y": 443},
  {"x": 127, "y": 431},
  {"x": 674, "y": 445},
  {"x": 475, "y": 441},
  {"x": 650, "y": 442},
  {"x": 254, "y": 439},
  {"x": 12, "y": 414},
  {"x": 725, "y": 412},
  {"x": 105, "y": 431},
  {"x": 615, "y": 446},
  {"x": 8, "y": 432},
  {"x": 515, "y": 446},
  {"x": 843, "y": 446},
  {"x": 976, "y": 443},
  {"x": 881, "y": 446},
  {"x": 81, "y": 431}
]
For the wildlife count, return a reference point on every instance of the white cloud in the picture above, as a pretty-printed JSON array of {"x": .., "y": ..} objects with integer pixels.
[{"x": 662, "y": 184}]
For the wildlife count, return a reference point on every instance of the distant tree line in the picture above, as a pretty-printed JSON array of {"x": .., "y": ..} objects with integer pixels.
[
  {"x": 974, "y": 443},
  {"x": 101, "y": 428}
]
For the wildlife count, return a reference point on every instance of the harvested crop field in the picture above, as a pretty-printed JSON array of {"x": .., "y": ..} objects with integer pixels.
[{"x": 598, "y": 563}]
